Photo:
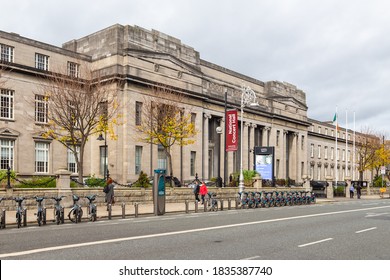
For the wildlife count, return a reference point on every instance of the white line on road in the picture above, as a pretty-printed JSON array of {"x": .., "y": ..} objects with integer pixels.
[
  {"x": 315, "y": 242},
  {"x": 364, "y": 230},
  {"x": 251, "y": 258},
  {"x": 157, "y": 235}
]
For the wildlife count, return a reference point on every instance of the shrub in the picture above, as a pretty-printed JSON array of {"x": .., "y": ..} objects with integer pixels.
[{"x": 142, "y": 182}]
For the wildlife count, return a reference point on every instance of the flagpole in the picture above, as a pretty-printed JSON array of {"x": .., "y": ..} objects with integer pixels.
[
  {"x": 346, "y": 143},
  {"x": 354, "y": 148},
  {"x": 337, "y": 175}
]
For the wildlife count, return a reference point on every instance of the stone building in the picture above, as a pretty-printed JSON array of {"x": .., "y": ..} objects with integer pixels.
[{"x": 141, "y": 58}]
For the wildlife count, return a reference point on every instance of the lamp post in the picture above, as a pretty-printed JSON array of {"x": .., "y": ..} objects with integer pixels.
[
  {"x": 248, "y": 98},
  {"x": 101, "y": 138}
]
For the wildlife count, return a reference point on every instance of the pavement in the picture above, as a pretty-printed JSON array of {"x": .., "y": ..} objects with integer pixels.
[{"x": 136, "y": 210}]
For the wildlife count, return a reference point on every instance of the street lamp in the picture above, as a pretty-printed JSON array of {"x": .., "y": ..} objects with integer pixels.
[
  {"x": 101, "y": 138},
  {"x": 248, "y": 98}
]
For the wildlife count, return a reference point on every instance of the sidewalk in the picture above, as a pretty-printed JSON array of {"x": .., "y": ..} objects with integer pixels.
[{"x": 148, "y": 209}]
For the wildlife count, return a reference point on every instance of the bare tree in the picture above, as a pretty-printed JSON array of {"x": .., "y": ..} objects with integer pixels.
[
  {"x": 164, "y": 122},
  {"x": 77, "y": 108}
]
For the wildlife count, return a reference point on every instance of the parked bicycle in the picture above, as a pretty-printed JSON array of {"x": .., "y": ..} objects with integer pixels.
[
  {"x": 20, "y": 211},
  {"x": 212, "y": 201},
  {"x": 41, "y": 213},
  {"x": 58, "y": 210},
  {"x": 2, "y": 215},
  {"x": 92, "y": 209},
  {"x": 75, "y": 213}
]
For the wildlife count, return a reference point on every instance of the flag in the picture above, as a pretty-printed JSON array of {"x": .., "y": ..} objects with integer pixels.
[{"x": 335, "y": 122}]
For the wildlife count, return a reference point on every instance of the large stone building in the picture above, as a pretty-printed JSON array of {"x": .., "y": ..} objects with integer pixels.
[{"x": 141, "y": 58}]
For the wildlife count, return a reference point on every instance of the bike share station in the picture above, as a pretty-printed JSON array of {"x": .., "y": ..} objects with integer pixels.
[{"x": 159, "y": 191}]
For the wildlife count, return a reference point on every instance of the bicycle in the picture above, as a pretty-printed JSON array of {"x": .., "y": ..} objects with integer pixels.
[
  {"x": 212, "y": 202},
  {"x": 92, "y": 209},
  {"x": 58, "y": 210},
  {"x": 41, "y": 214},
  {"x": 75, "y": 212},
  {"x": 2, "y": 215},
  {"x": 20, "y": 212}
]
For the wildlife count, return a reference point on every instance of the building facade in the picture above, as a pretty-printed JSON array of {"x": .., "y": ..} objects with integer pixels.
[{"x": 139, "y": 59}]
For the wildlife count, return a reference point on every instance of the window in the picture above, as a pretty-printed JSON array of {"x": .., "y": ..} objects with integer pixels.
[
  {"x": 326, "y": 131},
  {"x": 312, "y": 150},
  {"x": 192, "y": 163},
  {"x": 318, "y": 173},
  {"x": 277, "y": 137},
  {"x": 6, "y": 53},
  {"x": 138, "y": 113},
  {"x": 319, "y": 151},
  {"x": 138, "y": 159},
  {"x": 103, "y": 160},
  {"x": 41, "y": 108},
  {"x": 326, "y": 152},
  {"x": 41, "y": 62},
  {"x": 338, "y": 154},
  {"x": 193, "y": 118},
  {"x": 162, "y": 158},
  {"x": 42, "y": 157},
  {"x": 7, "y": 154},
  {"x": 303, "y": 143},
  {"x": 72, "y": 163},
  {"x": 343, "y": 158},
  {"x": 7, "y": 104},
  {"x": 331, "y": 153},
  {"x": 319, "y": 129},
  {"x": 73, "y": 69}
]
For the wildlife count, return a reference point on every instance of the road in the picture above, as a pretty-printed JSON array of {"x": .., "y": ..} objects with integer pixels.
[{"x": 351, "y": 230}]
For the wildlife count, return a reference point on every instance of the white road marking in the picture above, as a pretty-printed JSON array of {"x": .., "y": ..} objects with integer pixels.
[
  {"x": 368, "y": 215},
  {"x": 315, "y": 242},
  {"x": 251, "y": 258},
  {"x": 156, "y": 235},
  {"x": 364, "y": 230}
]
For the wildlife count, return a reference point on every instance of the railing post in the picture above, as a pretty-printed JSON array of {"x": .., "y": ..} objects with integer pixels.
[
  {"x": 25, "y": 217},
  {"x": 62, "y": 215},
  {"x": 123, "y": 210},
  {"x": 196, "y": 206},
  {"x": 136, "y": 210},
  {"x": 229, "y": 204},
  {"x": 221, "y": 204},
  {"x": 205, "y": 206},
  {"x": 187, "y": 208},
  {"x": 109, "y": 211}
]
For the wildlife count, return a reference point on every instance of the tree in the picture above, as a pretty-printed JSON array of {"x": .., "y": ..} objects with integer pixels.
[
  {"x": 164, "y": 122},
  {"x": 366, "y": 152},
  {"x": 78, "y": 108}
]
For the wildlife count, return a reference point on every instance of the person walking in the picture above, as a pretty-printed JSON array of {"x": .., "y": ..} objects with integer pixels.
[
  {"x": 351, "y": 191},
  {"x": 203, "y": 191},
  {"x": 359, "y": 191},
  {"x": 110, "y": 198},
  {"x": 196, "y": 191}
]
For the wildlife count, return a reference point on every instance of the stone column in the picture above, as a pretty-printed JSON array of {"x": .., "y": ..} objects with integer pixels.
[
  {"x": 329, "y": 188},
  {"x": 349, "y": 182},
  {"x": 63, "y": 186},
  {"x": 205, "y": 152},
  {"x": 266, "y": 131},
  {"x": 245, "y": 149}
]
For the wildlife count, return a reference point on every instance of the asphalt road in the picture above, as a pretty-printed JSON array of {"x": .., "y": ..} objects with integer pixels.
[{"x": 350, "y": 230}]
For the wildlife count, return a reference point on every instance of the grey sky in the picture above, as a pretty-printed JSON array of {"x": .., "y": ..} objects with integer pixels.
[{"x": 337, "y": 51}]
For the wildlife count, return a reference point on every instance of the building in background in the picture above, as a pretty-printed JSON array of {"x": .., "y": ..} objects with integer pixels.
[{"x": 139, "y": 59}]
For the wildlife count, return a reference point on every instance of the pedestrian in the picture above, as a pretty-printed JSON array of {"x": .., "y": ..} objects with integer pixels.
[
  {"x": 359, "y": 191},
  {"x": 110, "y": 198},
  {"x": 196, "y": 191},
  {"x": 351, "y": 191},
  {"x": 203, "y": 191}
]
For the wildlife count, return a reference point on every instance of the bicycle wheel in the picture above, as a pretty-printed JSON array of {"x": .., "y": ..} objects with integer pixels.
[
  {"x": 57, "y": 216},
  {"x": 93, "y": 214},
  {"x": 19, "y": 219},
  {"x": 39, "y": 218},
  {"x": 79, "y": 214},
  {"x": 72, "y": 216}
]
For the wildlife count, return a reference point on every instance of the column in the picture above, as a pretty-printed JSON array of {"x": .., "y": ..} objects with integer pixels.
[{"x": 205, "y": 153}]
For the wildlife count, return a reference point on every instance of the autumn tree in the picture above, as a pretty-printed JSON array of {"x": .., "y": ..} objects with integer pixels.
[
  {"x": 164, "y": 122},
  {"x": 366, "y": 152},
  {"x": 78, "y": 108}
]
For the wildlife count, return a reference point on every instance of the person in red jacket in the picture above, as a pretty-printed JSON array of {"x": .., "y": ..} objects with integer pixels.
[{"x": 203, "y": 191}]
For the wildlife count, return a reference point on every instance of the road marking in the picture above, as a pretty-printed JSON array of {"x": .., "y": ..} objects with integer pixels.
[
  {"x": 368, "y": 204},
  {"x": 157, "y": 235},
  {"x": 251, "y": 258},
  {"x": 364, "y": 230},
  {"x": 369, "y": 215},
  {"x": 315, "y": 242}
]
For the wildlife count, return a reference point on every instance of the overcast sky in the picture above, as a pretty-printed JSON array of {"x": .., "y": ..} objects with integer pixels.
[{"x": 336, "y": 51}]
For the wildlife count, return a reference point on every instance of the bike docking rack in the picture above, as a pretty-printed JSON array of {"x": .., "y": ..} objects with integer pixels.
[{"x": 122, "y": 210}]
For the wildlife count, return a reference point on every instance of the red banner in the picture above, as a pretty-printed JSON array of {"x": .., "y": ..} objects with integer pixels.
[{"x": 231, "y": 122}]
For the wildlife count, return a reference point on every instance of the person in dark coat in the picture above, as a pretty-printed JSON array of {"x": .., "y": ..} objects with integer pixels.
[
  {"x": 196, "y": 191},
  {"x": 359, "y": 191},
  {"x": 110, "y": 194}
]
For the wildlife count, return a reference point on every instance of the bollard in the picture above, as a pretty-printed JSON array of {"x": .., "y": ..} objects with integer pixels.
[
  {"x": 3, "y": 219},
  {"x": 205, "y": 206},
  {"x": 196, "y": 206},
  {"x": 136, "y": 210},
  {"x": 109, "y": 211},
  {"x": 44, "y": 216},
  {"x": 123, "y": 210},
  {"x": 237, "y": 202},
  {"x": 25, "y": 217},
  {"x": 187, "y": 208},
  {"x": 229, "y": 204},
  {"x": 221, "y": 204}
]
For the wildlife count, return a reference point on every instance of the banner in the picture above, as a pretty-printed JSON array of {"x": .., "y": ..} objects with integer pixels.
[
  {"x": 264, "y": 162},
  {"x": 231, "y": 130}
]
